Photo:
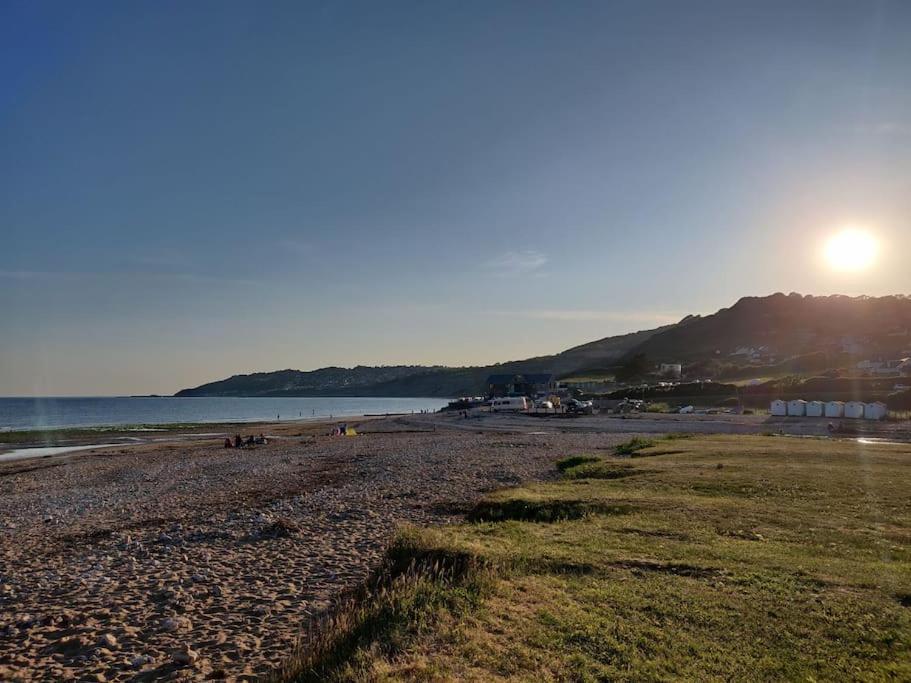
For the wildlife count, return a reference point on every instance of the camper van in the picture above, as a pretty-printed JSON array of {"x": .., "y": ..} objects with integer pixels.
[{"x": 509, "y": 403}]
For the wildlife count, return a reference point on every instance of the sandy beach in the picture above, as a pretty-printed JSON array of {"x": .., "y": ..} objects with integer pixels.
[{"x": 184, "y": 560}]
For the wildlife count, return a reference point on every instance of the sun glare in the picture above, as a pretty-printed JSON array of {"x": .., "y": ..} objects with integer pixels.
[{"x": 851, "y": 249}]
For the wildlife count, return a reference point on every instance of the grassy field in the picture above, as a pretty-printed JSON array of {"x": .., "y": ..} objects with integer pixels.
[{"x": 711, "y": 558}]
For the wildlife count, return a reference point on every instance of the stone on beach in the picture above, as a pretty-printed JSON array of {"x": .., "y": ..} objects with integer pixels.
[
  {"x": 108, "y": 641},
  {"x": 184, "y": 656},
  {"x": 173, "y": 624},
  {"x": 140, "y": 661}
]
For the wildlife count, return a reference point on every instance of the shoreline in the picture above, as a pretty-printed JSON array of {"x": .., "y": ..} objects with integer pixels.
[
  {"x": 31, "y": 444},
  {"x": 21, "y": 419},
  {"x": 78, "y": 438}
]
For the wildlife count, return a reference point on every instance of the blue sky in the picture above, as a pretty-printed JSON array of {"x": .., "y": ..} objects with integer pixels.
[{"x": 196, "y": 189}]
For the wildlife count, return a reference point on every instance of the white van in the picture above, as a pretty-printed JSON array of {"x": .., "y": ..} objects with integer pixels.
[{"x": 509, "y": 403}]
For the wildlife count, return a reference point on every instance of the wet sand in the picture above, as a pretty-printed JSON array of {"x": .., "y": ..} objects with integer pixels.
[{"x": 58, "y": 441}]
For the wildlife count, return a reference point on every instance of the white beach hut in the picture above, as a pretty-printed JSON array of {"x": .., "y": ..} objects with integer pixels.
[
  {"x": 815, "y": 408},
  {"x": 835, "y": 409},
  {"x": 875, "y": 410},
  {"x": 779, "y": 408},
  {"x": 797, "y": 407},
  {"x": 854, "y": 409}
]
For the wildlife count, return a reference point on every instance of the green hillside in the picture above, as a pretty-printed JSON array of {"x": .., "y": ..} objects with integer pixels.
[{"x": 780, "y": 334}]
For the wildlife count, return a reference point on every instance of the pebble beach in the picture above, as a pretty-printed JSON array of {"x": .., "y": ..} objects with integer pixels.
[{"x": 189, "y": 561}]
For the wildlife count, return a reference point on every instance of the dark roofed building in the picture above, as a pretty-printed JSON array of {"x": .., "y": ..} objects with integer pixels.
[{"x": 520, "y": 385}]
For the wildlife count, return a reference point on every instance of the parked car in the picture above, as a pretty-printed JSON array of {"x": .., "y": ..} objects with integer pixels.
[
  {"x": 574, "y": 405},
  {"x": 630, "y": 405}
]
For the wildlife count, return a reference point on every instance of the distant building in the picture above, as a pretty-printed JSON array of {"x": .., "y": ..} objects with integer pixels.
[
  {"x": 868, "y": 366},
  {"x": 875, "y": 411},
  {"x": 815, "y": 408},
  {"x": 854, "y": 409},
  {"x": 797, "y": 407},
  {"x": 779, "y": 408},
  {"x": 885, "y": 368},
  {"x": 835, "y": 409},
  {"x": 753, "y": 354},
  {"x": 520, "y": 384}
]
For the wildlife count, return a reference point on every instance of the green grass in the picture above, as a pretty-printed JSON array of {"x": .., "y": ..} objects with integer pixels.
[
  {"x": 575, "y": 461},
  {"x": 732, "y": 558},
  {"x": 417, "y": 590},
  {"x": 657, "y": 407}
]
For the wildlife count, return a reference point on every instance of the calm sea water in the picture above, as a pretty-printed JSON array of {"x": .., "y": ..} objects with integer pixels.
[{"x": 31, "y": 413}]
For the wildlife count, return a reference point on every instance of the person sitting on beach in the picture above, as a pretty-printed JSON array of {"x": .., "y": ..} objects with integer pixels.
[
  {"x": 261, "y": 439},
  {"x": 238, "y": 441},
  {"x": 250, "y": 441},
  {"x": 228, "y": 443}
]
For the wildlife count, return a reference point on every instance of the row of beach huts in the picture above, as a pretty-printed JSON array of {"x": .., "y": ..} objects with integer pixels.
[{"x": 857, "y": 410}]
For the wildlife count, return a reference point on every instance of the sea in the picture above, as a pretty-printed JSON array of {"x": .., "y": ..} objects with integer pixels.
[{"x": 111, "y": 411}]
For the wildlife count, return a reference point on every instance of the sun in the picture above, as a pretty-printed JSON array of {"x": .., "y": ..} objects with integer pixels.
[{"x": 852, "y": 249}]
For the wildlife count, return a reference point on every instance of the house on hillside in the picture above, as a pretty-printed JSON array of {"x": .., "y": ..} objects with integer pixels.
[
  {"x": 868, "y": 367},
  {"x": 528, "y": 384},
  {"x": 753, "y": 354},
  {"x": 885, "y": 368}
]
